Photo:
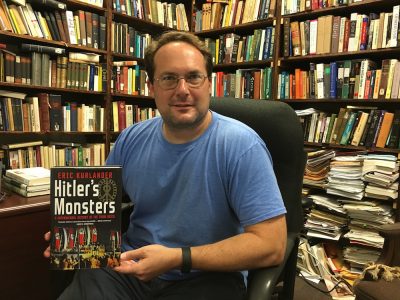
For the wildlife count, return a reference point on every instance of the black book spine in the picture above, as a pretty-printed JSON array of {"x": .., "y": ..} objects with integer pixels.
[
  {"x": 55, "y": 27},
  {"x": 42, "y": 49},
  {"x": 95, "y": 30},
  {"x": 102, "y": 32},
  {"x": 49, "y": 3}
]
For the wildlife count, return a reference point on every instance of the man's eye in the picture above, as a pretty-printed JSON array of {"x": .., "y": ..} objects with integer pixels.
[
  {"x": 169, "y": 78},
  {"x": 194, "y": 77}
]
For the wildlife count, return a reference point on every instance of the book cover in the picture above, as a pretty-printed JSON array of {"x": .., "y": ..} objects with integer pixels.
[
  {"x": 30, "y": 176},
  {"x": 85, "y": 207}
]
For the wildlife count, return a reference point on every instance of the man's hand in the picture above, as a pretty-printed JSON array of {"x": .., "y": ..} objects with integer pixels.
[
  {"x": 150, "y": 261},
  {"x": 46, "y": 252}
]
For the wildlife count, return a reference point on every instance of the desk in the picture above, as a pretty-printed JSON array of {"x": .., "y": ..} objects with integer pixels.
[{"x": 24, "y": 270}]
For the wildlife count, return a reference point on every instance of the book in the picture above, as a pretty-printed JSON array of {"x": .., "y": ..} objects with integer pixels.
[
  {"x": 42, "y": 49},
  {"x": 30, "y": 176},
  {"x": 85, "y": 210},
  {"x": 25, "y": 187},
  {"x": 24, "y": 192}
]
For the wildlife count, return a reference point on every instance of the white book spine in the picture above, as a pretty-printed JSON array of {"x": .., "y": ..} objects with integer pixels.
[
  {"x": 395, "y": 26},
  {"x": 390, "y": 78},
  {"x": 320, "y": 81},
  {"x": 341, "y": 34},
  {"x": 313, "y": 36},
  {"x": 352, "y": 39},
  {"x": 71, "y": 27}
]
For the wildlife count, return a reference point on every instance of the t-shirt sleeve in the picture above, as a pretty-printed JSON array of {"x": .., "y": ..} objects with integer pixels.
[{"x": 253, "y": 188}]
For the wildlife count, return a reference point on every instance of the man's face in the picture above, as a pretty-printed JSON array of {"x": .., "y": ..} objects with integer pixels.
[{"x": 183, "y": 106}]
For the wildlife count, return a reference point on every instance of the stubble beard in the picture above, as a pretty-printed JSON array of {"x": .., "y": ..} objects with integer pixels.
[{"x": 189, "y": 123}]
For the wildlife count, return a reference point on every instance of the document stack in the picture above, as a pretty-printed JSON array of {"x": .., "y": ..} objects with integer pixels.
[
  {"x": 381, "y": 173},
  {"x": 28, "y": 182},
  {"x": 327, "y": 218},
  {"x": 317, "y": 167},
  {"x": 345, "y": 176}
]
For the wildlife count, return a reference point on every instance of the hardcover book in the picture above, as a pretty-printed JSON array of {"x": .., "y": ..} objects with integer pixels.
[{"x": 85, "y": 207}]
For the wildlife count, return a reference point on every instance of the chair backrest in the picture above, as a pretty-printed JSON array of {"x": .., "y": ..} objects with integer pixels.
[{"x": 278, "y": 125}]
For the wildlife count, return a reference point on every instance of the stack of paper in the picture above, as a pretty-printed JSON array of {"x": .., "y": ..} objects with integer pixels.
[
  {"x": 327, "y": 218},
  {"x": 345, "y": 177},
  {"x": 317, "y": 167},
  {"x": 381, "y": 173}
]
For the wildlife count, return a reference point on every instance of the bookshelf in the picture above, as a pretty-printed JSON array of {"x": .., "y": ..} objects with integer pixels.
[
  {"x": 304, "y": 46},
  {"x": 141, "y": 26}
]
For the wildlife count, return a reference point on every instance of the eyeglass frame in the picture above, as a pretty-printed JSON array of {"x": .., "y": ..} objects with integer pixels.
[{"x": 185, "y": 77}]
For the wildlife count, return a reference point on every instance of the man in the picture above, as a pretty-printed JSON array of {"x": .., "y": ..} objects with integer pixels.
[{"x": 207, "y": 204}]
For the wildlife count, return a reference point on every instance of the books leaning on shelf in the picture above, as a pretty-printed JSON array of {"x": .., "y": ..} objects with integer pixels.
[
  {"x": 28, "y": 182},
  {"x": 85, "y": 207}
]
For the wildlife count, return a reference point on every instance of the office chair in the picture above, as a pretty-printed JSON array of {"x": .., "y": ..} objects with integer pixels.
[
  {"x": 380, "y": 289},
  {"x": 278, "y": 125}
]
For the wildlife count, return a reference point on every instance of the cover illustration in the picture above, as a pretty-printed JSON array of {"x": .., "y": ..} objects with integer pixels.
[{"x": 85, "y": 206}]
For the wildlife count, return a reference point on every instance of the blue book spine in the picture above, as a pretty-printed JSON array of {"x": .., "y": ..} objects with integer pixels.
[
  {"x": 347, "y": 130},
  {"x": 333, "y": 86}
]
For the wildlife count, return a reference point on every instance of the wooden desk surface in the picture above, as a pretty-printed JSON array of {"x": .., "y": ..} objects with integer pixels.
[{"x": 14, "y": 204}]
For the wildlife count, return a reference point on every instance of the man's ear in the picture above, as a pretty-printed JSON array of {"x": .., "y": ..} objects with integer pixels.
[{"x": 150, "y": 86}]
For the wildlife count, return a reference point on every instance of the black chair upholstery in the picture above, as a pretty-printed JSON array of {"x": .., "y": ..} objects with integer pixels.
[{"x": 278, "y": 125}]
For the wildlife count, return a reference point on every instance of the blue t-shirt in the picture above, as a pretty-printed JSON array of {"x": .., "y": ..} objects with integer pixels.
[{"x": 196, "y": 193}]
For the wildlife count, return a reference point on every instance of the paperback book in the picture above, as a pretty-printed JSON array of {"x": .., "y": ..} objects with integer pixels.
[{"x": 85, "y": 207}]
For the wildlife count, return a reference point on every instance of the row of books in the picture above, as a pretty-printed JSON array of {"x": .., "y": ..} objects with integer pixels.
[
  {"x": 35, "y": 154},
  {"x": 172, "y": 15},
  {"x": 129, "y": 78},
  {"x": 224, "y": 13},
  {"x": 75, "y": 27},
  {"x": 244, "y": 83},
  {"x": 28, "y": 182},
  {"x": 369, "y": 127},
  {"x": 45, "y": 112},
  {"x": 127, "y": 40},
  {"x": 342, "y": 80},
  {"x": 233, "y": 48},
  {"x": 295, "y": 6},
  {"x": 124, "y": 115},
  {"x": 78, "y": 71},
  {"x": 336, "y": 34}
]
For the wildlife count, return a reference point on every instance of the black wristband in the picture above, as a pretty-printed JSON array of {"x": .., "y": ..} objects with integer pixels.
[{"x": 186, "y": 260}]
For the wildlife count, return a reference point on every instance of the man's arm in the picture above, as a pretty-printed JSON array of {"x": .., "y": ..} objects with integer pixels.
[{"x": 260, "y": 245}]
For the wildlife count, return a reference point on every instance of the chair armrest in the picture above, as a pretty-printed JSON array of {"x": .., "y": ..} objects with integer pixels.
[
  {"x": 262, "y": 282},
  {"x": 391, "y": 248},
  {"x": 390, "y": 230}
]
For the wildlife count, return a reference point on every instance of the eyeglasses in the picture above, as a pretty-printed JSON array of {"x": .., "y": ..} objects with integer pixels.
[{"x": 170, "y": 81}]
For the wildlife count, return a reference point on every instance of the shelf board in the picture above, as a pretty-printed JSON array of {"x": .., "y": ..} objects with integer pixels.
[
  {"x": 46, "y": 89},
  {"x": 379, "y": 53},
  {"x": 139, "y": 60},
  {"x": 241, "y": 28},
  {"x": 244, "y": 64},
  {"x": 350, "y": 147},
  {"x": 366, "y": 5},
  {"x": 140, "y": 24},
  {"x": 85, "y": 6},
  {"x": 138, "y": 97},
  {"x": 342, "y": 101},
  {"x": 28, "y": 38}
]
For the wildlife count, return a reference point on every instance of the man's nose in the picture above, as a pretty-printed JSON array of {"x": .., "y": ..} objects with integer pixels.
[{"x": 182, "y": 85}]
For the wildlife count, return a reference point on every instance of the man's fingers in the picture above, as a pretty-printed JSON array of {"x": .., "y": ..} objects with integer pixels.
[
  {"x": 46, "y": 252},
  {"x": 131, "y": 255},
  {"x": 47, "y": 236}
]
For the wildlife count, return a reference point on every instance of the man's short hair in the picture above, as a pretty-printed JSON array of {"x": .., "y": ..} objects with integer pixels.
[{"x": 175, "y": 36}]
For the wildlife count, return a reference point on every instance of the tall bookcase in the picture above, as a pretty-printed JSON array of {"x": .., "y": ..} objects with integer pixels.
[{"x": 279, "y": 60}]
